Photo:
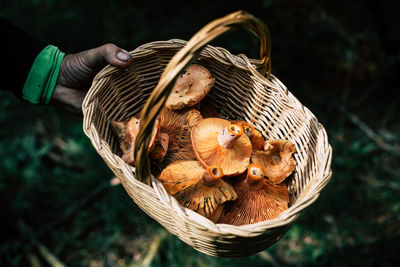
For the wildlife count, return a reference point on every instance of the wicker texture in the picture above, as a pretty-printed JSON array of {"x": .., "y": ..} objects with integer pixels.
[{"x": 240, "y": 92}]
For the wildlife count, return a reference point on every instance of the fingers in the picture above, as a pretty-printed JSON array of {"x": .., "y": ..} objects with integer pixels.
[
  {"x": 78, "y": 70},
  {"x": 99, "y": 57}
]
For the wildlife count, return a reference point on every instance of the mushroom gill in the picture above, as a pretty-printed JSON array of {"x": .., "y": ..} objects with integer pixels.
[
  {"x": 217, "y": 141},
  {"x": 177, "y": 124},
  {"x": 257, "y": 200},
  {"x": 201, "y": 190}
]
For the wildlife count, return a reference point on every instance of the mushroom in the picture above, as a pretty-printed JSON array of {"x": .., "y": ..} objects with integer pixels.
[
  {"x": 257, "y": 199},
  {"x": 217, "y": 141},
  {"x": 201, "y": 190},
  {"x": 177, "y": 124},
  {"x": 190, "y": 87},
  {"x": 257, "y": 140},
  {"x": 276, "y": 159},
  {"x": 127, "y": 132}
]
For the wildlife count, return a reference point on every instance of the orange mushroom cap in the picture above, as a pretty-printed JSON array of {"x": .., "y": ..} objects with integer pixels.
[
  {"x": 208, "y": 150},
  {"x": 185, "y": 180},
  {"x": 190, "y": 87},
  {"x": 257, "y": 200},
  {"x": 276, "y": 159}
]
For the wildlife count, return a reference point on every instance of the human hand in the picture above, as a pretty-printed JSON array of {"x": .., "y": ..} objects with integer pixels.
[{"x": 78, "y": 70}]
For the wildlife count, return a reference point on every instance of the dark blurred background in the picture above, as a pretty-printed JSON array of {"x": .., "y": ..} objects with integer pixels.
[{"x": 339, "y": 58}]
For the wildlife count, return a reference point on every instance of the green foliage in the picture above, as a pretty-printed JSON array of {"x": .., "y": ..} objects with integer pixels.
[{"x": 332, "y": 55}]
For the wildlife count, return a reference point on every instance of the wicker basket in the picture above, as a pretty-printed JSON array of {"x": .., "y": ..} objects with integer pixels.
[{"x": 240, "y": 92}]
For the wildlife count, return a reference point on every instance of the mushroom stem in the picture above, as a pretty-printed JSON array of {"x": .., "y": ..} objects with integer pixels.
[
  {"x": 267, "y": 145},
  {"x": 212, "y": 174},
  {"x": 255, "y": 176},
  {"x": 229, "y": 135}
]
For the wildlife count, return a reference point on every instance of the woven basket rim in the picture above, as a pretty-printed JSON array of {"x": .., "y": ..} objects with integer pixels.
[{"x": 240, "y": 61}]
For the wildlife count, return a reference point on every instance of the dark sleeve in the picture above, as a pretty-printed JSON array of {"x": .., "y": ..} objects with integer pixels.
[{"x": 18, "y": 51}]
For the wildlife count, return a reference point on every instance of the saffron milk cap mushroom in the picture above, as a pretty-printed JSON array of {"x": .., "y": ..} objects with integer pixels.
[
  {"x": 127, "y": 132},
  {"x": 257, "y": 200},
  {"x": 190, "y": 87},
  {"x": 276, "y": 159},
  {"x": 177, "y": 124},
  {"x": 201, "y": 190},
  {"x": 217, "y": 141}
]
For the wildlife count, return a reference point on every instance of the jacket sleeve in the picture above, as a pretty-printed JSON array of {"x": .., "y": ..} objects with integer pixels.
[{"x": 18, "y": 51}]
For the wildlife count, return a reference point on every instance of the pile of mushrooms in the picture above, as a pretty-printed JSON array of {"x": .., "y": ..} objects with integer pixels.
[{"x": 222, "y": 169}]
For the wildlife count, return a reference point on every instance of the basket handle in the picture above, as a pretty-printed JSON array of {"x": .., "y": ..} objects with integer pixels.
[{"x": 179, "y": 62}]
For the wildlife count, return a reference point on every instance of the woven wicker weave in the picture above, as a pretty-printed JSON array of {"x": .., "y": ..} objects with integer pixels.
[{"x": 240, "y": 92}]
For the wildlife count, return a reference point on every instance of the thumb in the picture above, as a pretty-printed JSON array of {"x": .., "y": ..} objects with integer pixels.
[{"x": 111, "y": 54}]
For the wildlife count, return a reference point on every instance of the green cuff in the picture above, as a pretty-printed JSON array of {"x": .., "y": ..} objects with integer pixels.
[{"x": 42, "y": 77}]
